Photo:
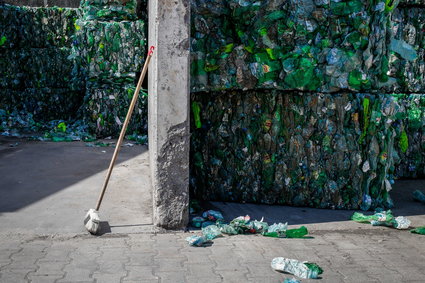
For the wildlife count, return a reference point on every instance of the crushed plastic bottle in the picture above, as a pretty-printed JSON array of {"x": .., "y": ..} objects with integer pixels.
[
  {"x": 382, "y": 218},
  {"x": 296, "y": 233},
  {"x": 304, "y": 270},
  {"x": 419, "y": 196},
  {"x": 419, "y": 230},
  {"x": 211, "y": 232},
  {"x": 213, "y": 215},
  {"x": 197, "y": 221},
  {"x": 197, "y": 240}
]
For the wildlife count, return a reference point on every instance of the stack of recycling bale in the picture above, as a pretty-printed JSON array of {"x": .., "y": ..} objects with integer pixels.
[
  {"x": 36, "y": 76},
  {"x": 406, "y": 69},
  {"x": 410, "y": 141},
  {"x": 319, "y": 150},
  {"x": 322, "y": 46},
  {"x": 109, "y": 45},
  {"x": 256, "y": 138}
]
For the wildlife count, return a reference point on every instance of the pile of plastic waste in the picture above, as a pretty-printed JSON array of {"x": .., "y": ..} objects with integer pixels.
[
  {"x": 213, "y": 225},
  {"x": 382, "y": 218}
]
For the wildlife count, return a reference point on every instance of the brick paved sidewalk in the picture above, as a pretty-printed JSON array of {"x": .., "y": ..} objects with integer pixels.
[{"x": 373, "y": 254}]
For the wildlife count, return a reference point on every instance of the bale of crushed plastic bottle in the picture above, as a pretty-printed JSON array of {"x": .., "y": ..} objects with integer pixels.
[
  {"x": 105, "y": 108},
  {"x": 407, "y": 45},
  {"x": 117, "y": 10},
  {"x": 29, "y": 27},
  {"x": 302, "y": 149},
  {"x": 38, "y": 68},
  {"x": 307, "y": 45},
  {"x": 410, "y": 140},
  {"x": 44, "y": 104},
  {"x": 109, "y": 49}
]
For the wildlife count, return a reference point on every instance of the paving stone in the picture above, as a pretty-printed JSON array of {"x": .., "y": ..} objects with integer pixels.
[
  {"x": 44, "y": 278},
  {"x": 142, "y": 259},
  {"x": 77, "y": 273},
  {"x": 171, "y": 277},
  {"x": 136, "y": 273},
  {"x": 200, "y": 270},
  {"x": 194, "y": 279},
  {"x": 50, "y": 268},
  {"x": 236, "y": 275},
  {"x": 7, "y": 276},
  {"x": 167, "y": 265},
  {"x": 109, "y": 277}
]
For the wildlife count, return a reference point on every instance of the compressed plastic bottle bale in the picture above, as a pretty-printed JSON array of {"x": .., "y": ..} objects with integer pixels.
[
  {"x": 109, "y": 49},
  {"x": 407, "y": 46},
  {"x": 295, "y": 148},
  {"x": 411, "y": 136},
  {"x": 109, "y": 9},
  {"x": 304, "y": 45},
  {"x": 28, "y": 27},
  {"x": 106, "y": 105},
  {"x": 44, "y": 104}
]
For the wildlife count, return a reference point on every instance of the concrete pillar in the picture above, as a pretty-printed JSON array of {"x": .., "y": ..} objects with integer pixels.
[{"x": 169, "y": 32}]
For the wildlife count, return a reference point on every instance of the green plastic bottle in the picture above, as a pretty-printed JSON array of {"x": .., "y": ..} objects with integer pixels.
[{"x": 296, "y": 233}]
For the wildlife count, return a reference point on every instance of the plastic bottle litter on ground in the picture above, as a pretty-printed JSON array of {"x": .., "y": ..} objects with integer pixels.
[
  {"x": 382, "y": 218},
  {"x": 419, "y": 230},
  {"x": 296, "y": 233},
  {"x": 196, "y": 240},
  {"x": 419, "y": 196},
  {"x": 304, "y": 270},
  {"x": 211, "y": 232},
  {"x": 197, "y": 221},
  {"x": 213, "y": 215}
]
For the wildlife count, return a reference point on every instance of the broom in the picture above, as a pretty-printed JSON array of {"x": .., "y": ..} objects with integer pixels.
[{"x": 92, "y": 220}]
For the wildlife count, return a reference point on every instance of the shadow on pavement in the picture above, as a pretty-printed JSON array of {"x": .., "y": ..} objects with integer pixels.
[
  {"x": 31, "y": 171},
  {"x": 401, "y": 194}
]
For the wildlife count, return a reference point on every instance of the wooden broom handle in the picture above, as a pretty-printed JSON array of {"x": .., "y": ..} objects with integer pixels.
[{"x": 124, "y": 127}]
